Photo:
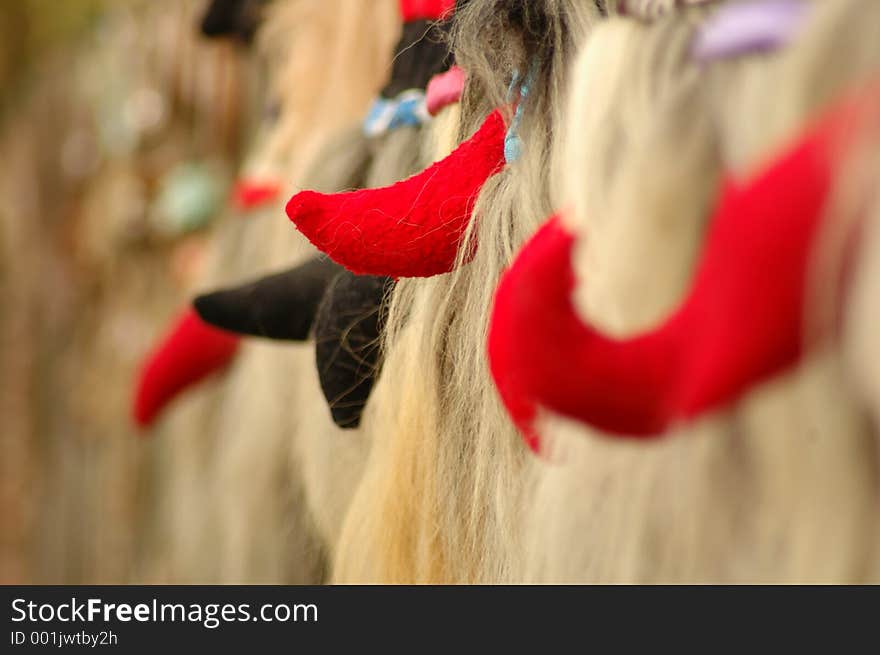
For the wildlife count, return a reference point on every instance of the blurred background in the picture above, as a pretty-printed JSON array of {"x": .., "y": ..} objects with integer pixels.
[
  {"x": 120, "y": 129},
  {"x": 127, "y": 137}
]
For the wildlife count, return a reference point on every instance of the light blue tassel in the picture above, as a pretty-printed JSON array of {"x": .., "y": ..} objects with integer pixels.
[{"x": 512, "y": 142}]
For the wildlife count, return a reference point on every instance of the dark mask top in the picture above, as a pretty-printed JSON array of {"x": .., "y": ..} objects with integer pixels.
[
  {"x": 237, "y": 19},
  {"x": 421, "y": 53}
]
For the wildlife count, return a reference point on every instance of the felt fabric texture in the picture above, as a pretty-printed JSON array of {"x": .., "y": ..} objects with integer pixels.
[
  {"x": 740, "y": 324},
  {"x": 411, "y": 10},
  {"x": 280, "y": 306},
  {"x": 232, "y": 18},
  {"x": 249, "y": 194},
  {"x": 421, "y": 53},
  {"x": 348, "y": 331},
  {"x": 444, "y": 89},
  {"x": 188, "y": 353},
  {"x": 412, "y": 228}
]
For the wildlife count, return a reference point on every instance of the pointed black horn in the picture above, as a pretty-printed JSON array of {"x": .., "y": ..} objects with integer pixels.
[
  {"x": 280, "y": 306},
  {"x": 348, "y": 331}
]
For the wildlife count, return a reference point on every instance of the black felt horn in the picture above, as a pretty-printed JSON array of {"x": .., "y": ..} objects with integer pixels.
[
  {"x": 348, "y": 330},
  {"x": 280, "y": 306}
]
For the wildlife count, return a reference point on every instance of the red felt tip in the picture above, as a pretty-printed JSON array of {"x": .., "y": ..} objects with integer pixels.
[
  {"x": 412, "y": 10},
  {"x": 412, "y": 228},
  {"x": 248, "y": 194},
  {"x": 741, "y": 323},
  {"x": 189, "y": 352},
  {"x": 444, "y": 89}
]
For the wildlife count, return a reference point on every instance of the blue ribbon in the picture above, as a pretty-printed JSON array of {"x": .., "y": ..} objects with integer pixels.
[{"x": 386, "y": 114}]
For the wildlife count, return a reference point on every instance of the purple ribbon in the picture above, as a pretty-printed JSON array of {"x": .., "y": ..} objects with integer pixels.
[{"x": 748, "y": 27}]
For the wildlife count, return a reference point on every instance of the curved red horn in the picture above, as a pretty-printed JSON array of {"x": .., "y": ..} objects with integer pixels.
[
  {"x": 189, "y": 352},
  {"x": 411, "y": 10},
  {"x": 412, "y": 228},
  {"x": 741, "y": 322},
  {"x": 249, "y": 194}
]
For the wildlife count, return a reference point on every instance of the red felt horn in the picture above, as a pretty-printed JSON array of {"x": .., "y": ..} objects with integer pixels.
[
  {"x": 249, "y": 194},
  {"x": 412, "y": 10},
  {"x": 741, "y": 322},
  {"x": 412, "y": 228},
  {"x": 189, "y": 352}
]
